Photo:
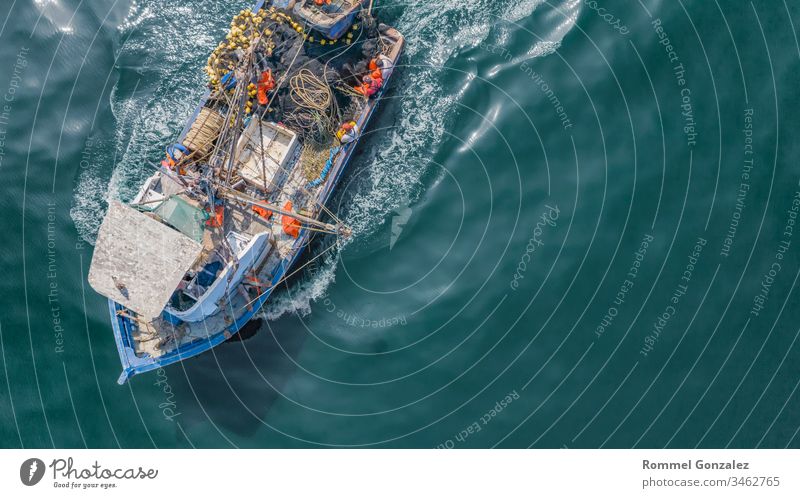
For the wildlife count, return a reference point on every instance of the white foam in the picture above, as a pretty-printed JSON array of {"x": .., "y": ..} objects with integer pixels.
[
  {"x": 298, "y": 298},
  {"x": 56, "y": 13},
  {"x": 169, "y": 50}
]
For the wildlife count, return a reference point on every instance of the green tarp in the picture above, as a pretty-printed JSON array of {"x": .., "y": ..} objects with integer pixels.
[{"x": 187, "y": 219}]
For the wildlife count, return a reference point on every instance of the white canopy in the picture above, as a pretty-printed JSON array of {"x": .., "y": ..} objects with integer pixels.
[{"x": 139, "y": 261}]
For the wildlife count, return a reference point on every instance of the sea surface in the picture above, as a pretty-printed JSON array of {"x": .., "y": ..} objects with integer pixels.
[{"x": 575, "y": 225}]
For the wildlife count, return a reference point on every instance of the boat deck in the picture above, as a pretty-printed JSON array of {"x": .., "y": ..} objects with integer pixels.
[{"x": 158, "y": 337}]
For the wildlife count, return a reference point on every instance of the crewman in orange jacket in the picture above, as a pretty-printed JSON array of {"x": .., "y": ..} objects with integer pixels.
[
  {"x": 370, "y": 86},
  {"x": 347, "y": 132},
  {"x": 265, "y": 84}
]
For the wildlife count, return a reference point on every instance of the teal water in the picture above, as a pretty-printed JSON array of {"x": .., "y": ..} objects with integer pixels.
[{"x": 574, "y": 227}]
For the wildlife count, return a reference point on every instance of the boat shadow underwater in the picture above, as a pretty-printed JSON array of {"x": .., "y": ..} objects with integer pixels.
[{"x": 234, "y": 386}]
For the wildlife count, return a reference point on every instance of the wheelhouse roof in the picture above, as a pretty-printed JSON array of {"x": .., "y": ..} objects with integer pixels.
[{"x": 139, "y": 261}]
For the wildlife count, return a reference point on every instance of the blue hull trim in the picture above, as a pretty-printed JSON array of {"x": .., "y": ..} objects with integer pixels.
[{"x": 133, "y": 365}]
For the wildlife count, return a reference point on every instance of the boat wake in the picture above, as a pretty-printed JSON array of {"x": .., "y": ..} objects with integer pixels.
[
  {"x": 161, "y": 80},
  {"x": 397, "y": 168},
  {"x": 162, "y": 50}
]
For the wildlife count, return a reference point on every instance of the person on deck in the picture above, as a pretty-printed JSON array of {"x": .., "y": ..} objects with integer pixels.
[
  {"x": 266, "y": 83},
  {"x": 385, "y": 65},
  {"x": 347, "y": 132},
  {"x": 370, "y": 85},
  {"x": 380, "y": 68}
]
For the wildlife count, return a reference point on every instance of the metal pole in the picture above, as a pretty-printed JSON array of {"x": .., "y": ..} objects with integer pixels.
[{"x": 310, "y": 221}]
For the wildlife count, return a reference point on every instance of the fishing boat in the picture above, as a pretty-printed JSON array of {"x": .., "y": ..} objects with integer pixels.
[{"x": 225, "y": 217}]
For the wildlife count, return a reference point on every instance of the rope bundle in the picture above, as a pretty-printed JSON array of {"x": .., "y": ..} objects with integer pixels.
[{"x": 317, "y": 113}]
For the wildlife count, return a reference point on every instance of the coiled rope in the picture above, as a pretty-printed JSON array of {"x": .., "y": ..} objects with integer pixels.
[{"x": 317, "y": 111}]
